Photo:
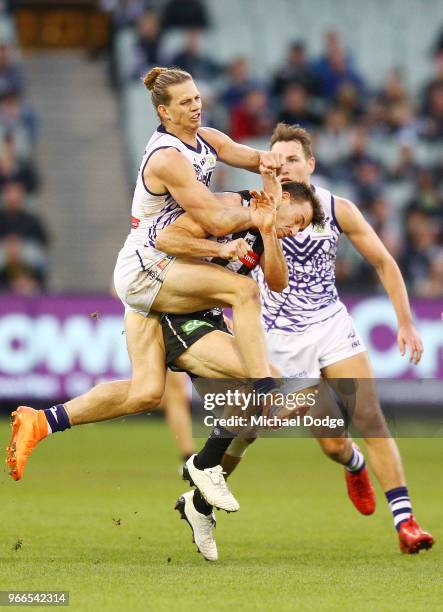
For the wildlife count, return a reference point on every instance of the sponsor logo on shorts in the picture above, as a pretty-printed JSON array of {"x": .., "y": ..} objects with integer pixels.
[
  {"x": 153, "y": 275},
  {"x": 190, "y": 326},
  {"x": 161, "y": 265},
  {"x": 355, "y": 341}
]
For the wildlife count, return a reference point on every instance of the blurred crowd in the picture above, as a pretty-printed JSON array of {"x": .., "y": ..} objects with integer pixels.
[
  {"x": 381, "y": 148},
  {"x": 24, "y": 238}
]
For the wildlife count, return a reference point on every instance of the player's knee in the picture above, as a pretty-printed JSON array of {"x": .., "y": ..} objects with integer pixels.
[
  {"x": 247, "y": 292},
  {"x": 371, "y": 422},
  {"x": 334, "y": 447}
]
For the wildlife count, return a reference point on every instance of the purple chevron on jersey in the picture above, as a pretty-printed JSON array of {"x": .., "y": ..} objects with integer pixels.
[
  {"x": 311, "y": 296},
  {"x": 154, "y": 211},
  {"x": 168, "y": 215}
]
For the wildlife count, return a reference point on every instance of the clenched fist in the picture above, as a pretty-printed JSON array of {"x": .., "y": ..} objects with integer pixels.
[
  {"x": 271, "y": 161},
  {"x": 235, "y": 249}
]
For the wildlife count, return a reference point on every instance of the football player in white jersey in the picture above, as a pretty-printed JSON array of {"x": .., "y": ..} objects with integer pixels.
[
  {"x": 310, "y": 334},
  {"x": 173, "y": 177}
]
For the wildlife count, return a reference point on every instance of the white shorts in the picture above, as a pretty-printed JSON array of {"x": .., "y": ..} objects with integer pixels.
[
  {"x": 304, "y": 355},
  {"x": 138, "y": 277}
]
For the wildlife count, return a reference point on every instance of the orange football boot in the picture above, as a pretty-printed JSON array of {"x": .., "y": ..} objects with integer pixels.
[
  {"x": 29, "y": 426},
  {"x": 412, "y": 537}
]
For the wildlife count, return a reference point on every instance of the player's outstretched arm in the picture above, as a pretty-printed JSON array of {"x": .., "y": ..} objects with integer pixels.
[
  {"x": 240, "y": 155},
  {"x": 186, "y": 238},
  {"x": 369, "y": 245},
  {"x": 273, "y": 261},
  {"x": 193, "y": 196}
]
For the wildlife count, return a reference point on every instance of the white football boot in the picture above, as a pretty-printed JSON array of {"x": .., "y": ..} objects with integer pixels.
[
  {"x": 212, "y": 485},
  {"x": 200, "y": 524}
]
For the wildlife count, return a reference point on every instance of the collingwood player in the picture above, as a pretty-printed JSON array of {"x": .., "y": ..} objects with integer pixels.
[
  {"x": 174, "y": 177},
  {"x": 199, "y": 343}
]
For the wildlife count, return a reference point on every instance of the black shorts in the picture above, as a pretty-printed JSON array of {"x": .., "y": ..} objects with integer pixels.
[{"x": 182, "y": 331}]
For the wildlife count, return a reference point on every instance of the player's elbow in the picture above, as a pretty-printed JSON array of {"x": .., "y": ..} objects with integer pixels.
[
  {"x": 277, "y": 283},
  {"x": 218, "y": 229},
  {"x": 221, "y": 224},
  {"x": 278, "y": 286},
  {"x": 385, "y": 263},
  {"x": 165, "y": 243},
  {"x": 161, "y": 243}
]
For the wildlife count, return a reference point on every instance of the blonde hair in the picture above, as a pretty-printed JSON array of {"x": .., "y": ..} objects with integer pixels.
[{"x": 158, "y": 80}]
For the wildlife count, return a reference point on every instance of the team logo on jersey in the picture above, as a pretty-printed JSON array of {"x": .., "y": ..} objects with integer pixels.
[
  {"x": 320, "y": 231},
  {"x": 211, "y": 160},
  {"x": 190, "y": 326}
]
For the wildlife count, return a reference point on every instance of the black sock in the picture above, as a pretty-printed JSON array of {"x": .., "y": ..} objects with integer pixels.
[
  {"x": 264, "y": 385},
  {"x": 200, "y": 503},
  {"x": 57, "y": 418},
  {"x": 214, "y": 449}
]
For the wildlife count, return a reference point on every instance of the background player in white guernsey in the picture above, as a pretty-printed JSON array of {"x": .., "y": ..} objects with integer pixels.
[
  {"x": 310, "y": 333},
  {"x": 174, "y": 176}
]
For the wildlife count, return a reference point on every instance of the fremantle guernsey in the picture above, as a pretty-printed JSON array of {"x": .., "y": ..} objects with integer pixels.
[
  {"x": 311, "y": 296},
  {"x": 151, "y": 212}
]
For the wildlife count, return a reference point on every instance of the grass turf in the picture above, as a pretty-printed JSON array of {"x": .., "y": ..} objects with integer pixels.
[{"x": 94, "y": 515}]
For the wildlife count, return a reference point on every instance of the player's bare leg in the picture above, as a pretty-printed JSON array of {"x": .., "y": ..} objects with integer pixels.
[
  {"x": 383, "y": 452},
  {"x": 144, "y": 340},
  {"x": 193, "y": 286},
  {"x": 146, "y": 350},
  {"x": 178, "y": 412},
  {"x": 342, "y": 449},
  {"x": 387, "y": 466}
]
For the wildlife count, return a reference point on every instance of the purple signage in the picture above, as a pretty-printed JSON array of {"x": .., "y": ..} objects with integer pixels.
[{"x": 60, "y": 346}]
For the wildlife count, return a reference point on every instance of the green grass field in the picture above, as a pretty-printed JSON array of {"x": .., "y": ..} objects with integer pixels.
[{"x": 94, "y": 515}]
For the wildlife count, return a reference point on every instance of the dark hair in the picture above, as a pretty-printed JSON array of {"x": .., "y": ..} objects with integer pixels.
[
  {"x": 300, "y": 192},
  {"x": 287, "y": 133},
  {"x": 158, "y": 80}
]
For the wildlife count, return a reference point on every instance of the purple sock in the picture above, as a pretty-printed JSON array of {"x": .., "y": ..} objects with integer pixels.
[
  {"x": 400, "y": 505},
  {"x": 57, "y": 418}
]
